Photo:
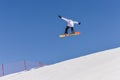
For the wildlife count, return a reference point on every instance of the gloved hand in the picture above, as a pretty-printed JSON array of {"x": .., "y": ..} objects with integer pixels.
[{"x": 59, "y": 16}]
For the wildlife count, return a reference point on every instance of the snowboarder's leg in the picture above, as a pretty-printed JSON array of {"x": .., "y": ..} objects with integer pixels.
[
  {"x": 66, "y": 30},
  {"x": 72, "y": 30}
]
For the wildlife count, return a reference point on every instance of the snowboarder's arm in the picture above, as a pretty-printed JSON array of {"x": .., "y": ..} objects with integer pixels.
[
  {"x": 75, "y": 22},
  {"x": 63, "y": 18}
]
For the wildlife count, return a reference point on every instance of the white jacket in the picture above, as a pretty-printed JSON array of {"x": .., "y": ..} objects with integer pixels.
[{"x": 70, "y": 22}]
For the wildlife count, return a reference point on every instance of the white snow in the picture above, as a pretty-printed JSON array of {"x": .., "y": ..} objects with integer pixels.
[{"x": 103, "y": 65}]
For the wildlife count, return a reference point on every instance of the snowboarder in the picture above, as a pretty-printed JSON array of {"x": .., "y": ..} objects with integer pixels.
[{"x": 70, "y": 24}]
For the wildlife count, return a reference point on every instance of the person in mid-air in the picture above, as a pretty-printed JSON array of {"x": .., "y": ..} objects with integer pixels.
[{"x": 70, "y": 24}]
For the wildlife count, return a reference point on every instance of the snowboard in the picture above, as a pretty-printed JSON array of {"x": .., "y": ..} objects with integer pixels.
[{"x": 66, "y": 35}]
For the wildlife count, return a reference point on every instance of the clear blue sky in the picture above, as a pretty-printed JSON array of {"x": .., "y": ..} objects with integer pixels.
[{"x": 29, "y": 29}]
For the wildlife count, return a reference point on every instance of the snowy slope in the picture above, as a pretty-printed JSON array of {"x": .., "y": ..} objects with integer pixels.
[{"x": 103, "y": 65}]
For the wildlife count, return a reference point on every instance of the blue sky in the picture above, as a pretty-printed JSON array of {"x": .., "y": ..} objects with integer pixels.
[{"x": 29, "y": 29}]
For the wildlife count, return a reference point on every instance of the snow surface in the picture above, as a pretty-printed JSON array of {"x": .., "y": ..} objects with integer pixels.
[{"x": 103, "y": 65}]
